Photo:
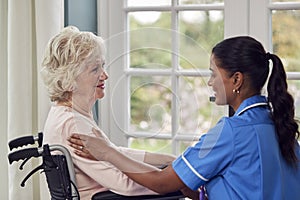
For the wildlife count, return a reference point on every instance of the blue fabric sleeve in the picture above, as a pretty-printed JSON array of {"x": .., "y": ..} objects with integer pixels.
[{"x": 208, "y": 158}]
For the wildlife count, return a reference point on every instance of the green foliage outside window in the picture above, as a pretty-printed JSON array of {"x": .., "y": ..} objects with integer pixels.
[{"x": 152, "y": 50}]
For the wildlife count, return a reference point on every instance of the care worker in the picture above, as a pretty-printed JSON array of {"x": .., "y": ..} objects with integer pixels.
[{"x": 252, "y": 155}]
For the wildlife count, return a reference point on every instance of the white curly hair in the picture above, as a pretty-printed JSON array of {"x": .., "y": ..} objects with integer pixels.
[{"x": 66, "y": 55}]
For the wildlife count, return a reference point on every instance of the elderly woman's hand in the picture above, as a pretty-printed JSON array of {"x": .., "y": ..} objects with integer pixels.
[{"x": 95, "y": 148}]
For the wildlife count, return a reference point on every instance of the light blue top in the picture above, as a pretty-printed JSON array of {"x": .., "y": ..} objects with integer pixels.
[{"x": 240, "y": 158}]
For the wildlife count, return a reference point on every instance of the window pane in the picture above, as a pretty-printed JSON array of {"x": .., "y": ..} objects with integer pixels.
[
  {"x": 200, "y": 1},
  {"x": 153, "y": 145},
  {"x": 185, "y": 144},
  {"x": 149, "y": 58},
  {"x": 150, "y": 104},
  {"x": 294, "y": 89},
  {"x": 286, "y": 37},
  {"x": 197, "y": 113},
  {"x": 159, "y": 145},
  {"x": 145, "y": 19},
  {"x": 201, "y": 30},
  {"x": 285, "y": 0},
  {"x": 150, "y": 42},
  {"x": 132, "y": 3}
]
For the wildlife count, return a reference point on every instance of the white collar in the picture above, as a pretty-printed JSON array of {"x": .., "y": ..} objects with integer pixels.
[{"x": 252, "y": 106}]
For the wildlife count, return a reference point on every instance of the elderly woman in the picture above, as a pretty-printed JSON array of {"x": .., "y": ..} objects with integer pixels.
[{"x": 75, "y": 78}]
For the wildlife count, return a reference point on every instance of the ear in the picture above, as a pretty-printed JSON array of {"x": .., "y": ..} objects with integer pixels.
[{"x": 237, "y": 79}]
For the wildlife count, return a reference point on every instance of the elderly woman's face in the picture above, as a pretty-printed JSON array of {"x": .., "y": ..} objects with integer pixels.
[{"x": 91, "y": 81}]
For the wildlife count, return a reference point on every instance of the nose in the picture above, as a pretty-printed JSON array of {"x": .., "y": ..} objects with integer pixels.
[
  {"x": 104, "y": 75},
  {"x": 209, "y": 82}
]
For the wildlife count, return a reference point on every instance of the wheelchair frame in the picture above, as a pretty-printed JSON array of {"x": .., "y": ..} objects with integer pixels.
[{"x": 59, "y": 171}]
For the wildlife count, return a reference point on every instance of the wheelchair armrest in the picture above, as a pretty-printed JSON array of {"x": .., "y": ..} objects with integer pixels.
[
  {"x": 23, "y": 154},
  {"x": 109, "y": 195}
]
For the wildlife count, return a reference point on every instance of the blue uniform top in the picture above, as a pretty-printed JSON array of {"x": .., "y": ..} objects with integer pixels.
[{"x": 240, "y": 158}]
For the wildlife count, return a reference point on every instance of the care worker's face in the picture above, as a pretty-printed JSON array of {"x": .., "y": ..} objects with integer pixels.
[
  {"x": 220, "y": 83},
  {"x": 91, "y": 82}
]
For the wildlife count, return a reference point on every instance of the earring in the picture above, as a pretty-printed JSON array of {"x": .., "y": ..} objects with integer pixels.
[{"x": 236, "y": 91}]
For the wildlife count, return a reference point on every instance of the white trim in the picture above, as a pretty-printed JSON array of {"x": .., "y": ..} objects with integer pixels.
[
  {"x": 284, "y": 6},
  {"x": 193, "y": 170},
  {"x": 167, "y": 72},
  {"x": 114, "y": 106},
  {"x": 293, "y": 75},
  {"x": 236, "y": 18},
  {"x": 103, "y": 31},
  {"x": 252, "y": 106},
  {"x": 260, "y": 25},
  {"x": 176, "y": 8}
]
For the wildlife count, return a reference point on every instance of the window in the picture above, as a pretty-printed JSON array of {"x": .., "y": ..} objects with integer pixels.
[
  {"x": 286, "y": 42},
  {"x": 158, "y": 59}
]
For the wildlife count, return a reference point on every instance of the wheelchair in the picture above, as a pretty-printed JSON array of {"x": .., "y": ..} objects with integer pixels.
[{"x": 59, "y": 171}]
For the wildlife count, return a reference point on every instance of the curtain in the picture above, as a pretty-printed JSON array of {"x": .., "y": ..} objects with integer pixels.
[{"x": 26, "y": 27}]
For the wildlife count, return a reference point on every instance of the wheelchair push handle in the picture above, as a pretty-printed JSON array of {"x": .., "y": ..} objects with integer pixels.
[
  {"x": 23, "y": 154},
  {"x": 19, "y": 142}
]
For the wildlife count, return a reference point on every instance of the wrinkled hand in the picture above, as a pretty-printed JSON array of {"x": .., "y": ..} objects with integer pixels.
[{"x": 95, "y": 148}]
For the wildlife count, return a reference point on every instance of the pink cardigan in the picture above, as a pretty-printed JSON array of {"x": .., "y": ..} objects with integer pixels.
[{"x": 92, "y": 176}]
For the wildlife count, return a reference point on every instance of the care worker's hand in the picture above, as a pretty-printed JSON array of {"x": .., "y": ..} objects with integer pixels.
[{"x": 91, "y": 147}]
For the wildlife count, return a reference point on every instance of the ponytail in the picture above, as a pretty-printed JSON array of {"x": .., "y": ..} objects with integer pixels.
[{"x": 282, "y": 104}]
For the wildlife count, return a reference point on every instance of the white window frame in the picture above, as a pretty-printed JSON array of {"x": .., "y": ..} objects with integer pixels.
[{"x": 242, "y": 17}]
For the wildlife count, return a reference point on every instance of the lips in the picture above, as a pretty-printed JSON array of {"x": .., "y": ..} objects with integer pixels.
[{"x": 101, "y": 86}]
